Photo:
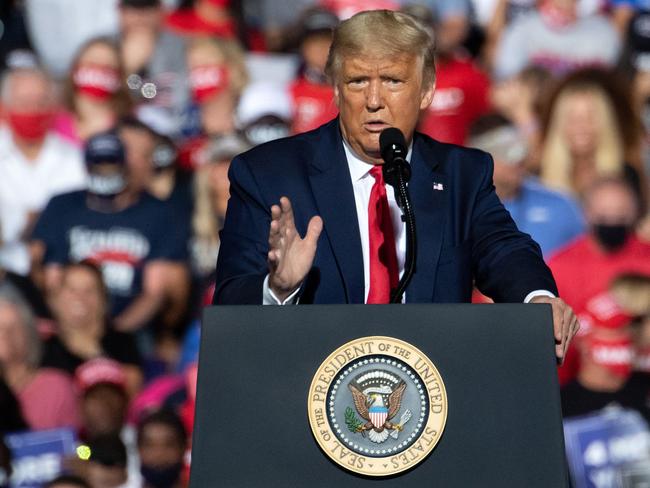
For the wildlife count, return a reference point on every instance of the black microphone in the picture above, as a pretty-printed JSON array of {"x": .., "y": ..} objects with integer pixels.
[
  {"x": 397, "y": 172},
  {"x": 392, "y": 147}
]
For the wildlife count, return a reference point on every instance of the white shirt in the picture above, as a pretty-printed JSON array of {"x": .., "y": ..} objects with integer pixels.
[
  {"x": 26, "y": 186},
  {"x": 362, "y": 182}
]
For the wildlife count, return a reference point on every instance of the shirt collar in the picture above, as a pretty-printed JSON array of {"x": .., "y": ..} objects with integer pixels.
[{"x": 358, "y": 167}]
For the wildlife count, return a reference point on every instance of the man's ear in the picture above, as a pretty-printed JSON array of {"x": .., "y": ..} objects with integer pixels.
[{"x": 427, "y": 96}]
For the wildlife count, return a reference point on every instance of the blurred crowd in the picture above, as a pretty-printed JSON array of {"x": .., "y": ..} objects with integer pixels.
[{"x": 118, "y": 123}]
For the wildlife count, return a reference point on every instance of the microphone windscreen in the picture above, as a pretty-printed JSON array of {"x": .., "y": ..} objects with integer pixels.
[{"x": 392, "y": 143}]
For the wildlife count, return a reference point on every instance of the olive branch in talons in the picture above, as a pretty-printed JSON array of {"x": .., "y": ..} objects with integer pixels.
[{"x": 352, "y": 421}]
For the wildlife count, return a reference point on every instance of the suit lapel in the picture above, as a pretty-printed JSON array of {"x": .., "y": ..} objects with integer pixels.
[
  {"x": 329, "y": 177},
  {"x": 430, "y": 206}
]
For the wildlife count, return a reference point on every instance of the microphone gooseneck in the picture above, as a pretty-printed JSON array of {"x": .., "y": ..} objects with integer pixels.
[{"x": 397, "y": 173}]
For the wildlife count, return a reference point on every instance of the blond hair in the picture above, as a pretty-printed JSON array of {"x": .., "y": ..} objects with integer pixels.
[
  {"x": 231, "y": 54},
  {"x": 384, "y": 33},
  {"x": 556, "y": 162}
]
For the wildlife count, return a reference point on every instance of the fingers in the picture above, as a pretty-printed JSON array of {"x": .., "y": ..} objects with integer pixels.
[
  {"x": 314, "y": 229},
  {"x": 558, "y": 319}
]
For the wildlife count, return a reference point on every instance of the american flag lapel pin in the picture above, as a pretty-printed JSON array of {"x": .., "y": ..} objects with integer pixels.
[{"x": 438, "y": 186}]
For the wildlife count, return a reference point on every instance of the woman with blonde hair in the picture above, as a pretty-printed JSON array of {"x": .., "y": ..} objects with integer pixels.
[
  {"x": 589, "y": 130},
  {"x": 95, "y": 92}
]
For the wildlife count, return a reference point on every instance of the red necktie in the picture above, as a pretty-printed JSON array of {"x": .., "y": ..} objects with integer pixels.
[{"x": 384, "y": 273}]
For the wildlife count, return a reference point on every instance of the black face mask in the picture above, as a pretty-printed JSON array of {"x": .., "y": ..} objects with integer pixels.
[
  {"x": 161, "y": 477},
  {"x": 611, "y": 237}
]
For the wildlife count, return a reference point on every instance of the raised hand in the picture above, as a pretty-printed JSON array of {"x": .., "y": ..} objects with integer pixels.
[{"x": 290, "y": 257}]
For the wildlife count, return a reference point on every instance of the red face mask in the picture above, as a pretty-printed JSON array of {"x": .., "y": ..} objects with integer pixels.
[
  {"x": 617, "y": 355},
  {"x": 100, "y": 82},
  {"x": 207, "y": 82},
  {"x": 30, "y": 126}
]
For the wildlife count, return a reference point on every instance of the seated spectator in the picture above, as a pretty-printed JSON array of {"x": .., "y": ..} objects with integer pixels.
[
  {"x": 95, "y": 91},
  {"x": 556, "y": 38},
  {"x": 104, "y": 399},
  {"x": 83, "y": 332},
  {"x": 604, "y": 377},
  {"x": 589, "y": 129},
  {"x": 128, "y": 235},
  {"x": 154, "y": 62},
  {"x": 584, "y": 269},
  {"x": 35, "y": 163},
  {"x": 553, "y": 219},
  {"x": 311, "y": 93},
  {"x": 158, "y": 177},
  {"x": 68, "y": 481},
  {"x": 162, "y": 445},
  {"x": 217, "y": 76},
  {"x": 461, "y": 93},
  {"x": 47, "y": 396}
]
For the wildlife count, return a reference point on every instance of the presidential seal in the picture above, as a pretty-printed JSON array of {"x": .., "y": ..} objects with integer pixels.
[{"x": 377, "y": 406}]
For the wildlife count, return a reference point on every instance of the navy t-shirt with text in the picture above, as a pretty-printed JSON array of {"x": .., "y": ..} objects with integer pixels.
[{"x": 120, "y": 243}]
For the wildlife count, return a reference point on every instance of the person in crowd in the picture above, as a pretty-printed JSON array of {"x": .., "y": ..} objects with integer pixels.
[
  {"x": 520, "y": 99},
  {"x": 107, "y": 465},
  {"x": 154, "y": 62},
  {"x": 264, "y": 112},
  {"x": 623, "y": 11},
  {"x": 83, "y": 330},
  {"x": 24, "y": 287},
  {"x": 553, "y": 219},
  {"x": 67, "y": 481},
  {"x": 211, "y": 192},
  {"x": 589, "y": 129},
  {"x": 47, "y": 396},
  {"x": 35, "y": 163},
  {"x": 217, "y": 76},
  {"x": 604, "y": 377},
  {"x": 104, "y": 398},
  {"x": 127, "y": 234},
  {"x": 203, "y": 18},
  {"x": 95, "y": 91},
  {"x": 157, "y": 176},
  {"x": 556, "y": 38},
  {"x": 162, "y": 445},
  {"x": 311, "y": 93},
  {"x": 585, "y": 268},
  {"x": 461, "y": 93}
]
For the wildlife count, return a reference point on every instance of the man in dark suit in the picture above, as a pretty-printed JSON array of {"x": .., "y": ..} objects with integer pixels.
[{"x": 325, "y": 185}]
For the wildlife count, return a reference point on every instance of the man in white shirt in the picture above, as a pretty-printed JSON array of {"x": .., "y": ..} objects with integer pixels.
[{"x": 35, "y": 164}]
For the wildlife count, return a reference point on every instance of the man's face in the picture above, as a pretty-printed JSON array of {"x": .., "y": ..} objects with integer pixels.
[
  {"x": 139, "y": 145},
  {"x": 375, "y": 93},
  {"x": 611, "y": 205},
  {"x": 29, "y": 93}
]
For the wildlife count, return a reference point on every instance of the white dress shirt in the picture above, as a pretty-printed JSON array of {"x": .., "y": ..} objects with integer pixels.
[{"x": 362, "y": 183}]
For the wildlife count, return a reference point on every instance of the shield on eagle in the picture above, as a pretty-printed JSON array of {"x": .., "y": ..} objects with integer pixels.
[{"x": 378, "y": 415}]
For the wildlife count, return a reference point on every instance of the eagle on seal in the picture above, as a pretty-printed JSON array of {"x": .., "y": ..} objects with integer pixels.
[{"x": 377, "y": 414}]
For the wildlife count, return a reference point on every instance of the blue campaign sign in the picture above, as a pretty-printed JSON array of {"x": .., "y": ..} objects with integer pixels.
[
  {"x": 602, "y": 445},
  {"x": 37, "y": 456}
]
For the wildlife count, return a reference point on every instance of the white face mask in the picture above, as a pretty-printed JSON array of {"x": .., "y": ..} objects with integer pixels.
[{"x": 106, "y": 185}]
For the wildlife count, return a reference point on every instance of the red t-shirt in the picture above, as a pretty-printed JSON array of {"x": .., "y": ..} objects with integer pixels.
[
  {"x": 313, "y": 105},
  {"x": 461, "y": 96},
  {"x": 187, "y": 22},
  {"x": 584, "y": 272}
]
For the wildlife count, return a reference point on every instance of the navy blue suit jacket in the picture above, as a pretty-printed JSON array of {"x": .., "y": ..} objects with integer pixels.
[{"x": 464, "y": 232}]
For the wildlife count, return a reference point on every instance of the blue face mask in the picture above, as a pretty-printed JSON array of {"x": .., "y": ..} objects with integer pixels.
[{"x": 161, "y": 477}]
